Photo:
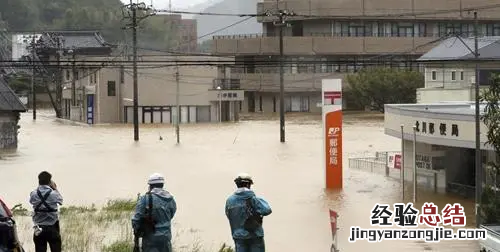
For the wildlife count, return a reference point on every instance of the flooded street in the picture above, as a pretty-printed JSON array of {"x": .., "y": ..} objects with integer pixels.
[{"x": 95, "y": 164}]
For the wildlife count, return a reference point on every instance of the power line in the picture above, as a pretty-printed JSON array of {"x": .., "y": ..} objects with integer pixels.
[{"x": 409, "y": 14}]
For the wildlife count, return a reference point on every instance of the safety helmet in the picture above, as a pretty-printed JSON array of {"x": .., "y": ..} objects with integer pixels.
[
  {"x": 243, "y": 177},
  {"x": 156, "y": 178}
]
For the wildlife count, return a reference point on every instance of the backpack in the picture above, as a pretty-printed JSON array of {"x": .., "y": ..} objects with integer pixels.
[
  {"x": 147, "y": 223},
  {"x": 254, "y": 220}
]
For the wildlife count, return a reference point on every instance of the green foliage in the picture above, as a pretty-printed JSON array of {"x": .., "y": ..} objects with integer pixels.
[
  {"x": 490, "y": 199},
  {"x": 21, "y": 83},
  {"x": 226, "y": 248},
  {"x": 103, "y": 15},
  {"x": 374, "y": 87},
  {"x": 19, "y": 210},
  {"x": 119, "y": 246},
  {"x": 120, "y": 205}
]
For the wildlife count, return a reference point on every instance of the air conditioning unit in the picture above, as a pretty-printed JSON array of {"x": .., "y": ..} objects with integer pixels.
[{"x": 472, "y": 80}]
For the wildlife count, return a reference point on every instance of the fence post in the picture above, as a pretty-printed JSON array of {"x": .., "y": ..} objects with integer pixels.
[{"x": 387, "y": 164}]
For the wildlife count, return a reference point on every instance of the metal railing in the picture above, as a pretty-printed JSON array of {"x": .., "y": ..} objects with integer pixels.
[{"x": 344, "y": 35}]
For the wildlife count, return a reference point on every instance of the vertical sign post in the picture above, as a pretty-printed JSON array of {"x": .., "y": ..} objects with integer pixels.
[
  {"x": 402, "y": 164},
  {"x": 332, "y": 130},
  {"x": 333, "y": 223},
  {"x": 90, "y": 109}
]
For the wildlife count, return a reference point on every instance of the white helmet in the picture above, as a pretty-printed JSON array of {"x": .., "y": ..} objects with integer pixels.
[
  {"x": 156, "y": 178},
  {"x": 244, "y": 177}
]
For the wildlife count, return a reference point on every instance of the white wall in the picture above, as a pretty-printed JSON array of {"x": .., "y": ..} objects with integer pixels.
[{"x": 432, "y": 95}]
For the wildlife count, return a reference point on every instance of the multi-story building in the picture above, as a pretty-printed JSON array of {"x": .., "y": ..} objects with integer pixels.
[
  {"x": 332, "y": 38},
  {"x": 186, "y": 33},
  {"x": 97, "y": 84}
]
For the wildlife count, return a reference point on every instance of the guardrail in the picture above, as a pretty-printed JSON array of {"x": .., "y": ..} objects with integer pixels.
[
  {"x": 379, "y": 163},
  {"x": 372, "y": 164}
]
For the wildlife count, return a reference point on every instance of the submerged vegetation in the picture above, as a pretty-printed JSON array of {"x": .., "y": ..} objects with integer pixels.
[{"x": 106, "y": 229}]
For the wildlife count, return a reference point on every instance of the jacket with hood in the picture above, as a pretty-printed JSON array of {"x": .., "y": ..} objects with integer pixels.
[
  {"x": 164, "y": 208},
  {"x": 237, "y": 212}
]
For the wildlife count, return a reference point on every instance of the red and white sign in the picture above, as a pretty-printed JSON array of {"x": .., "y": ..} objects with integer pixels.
[
  {"x": 394, "y": 161},
  {"x": 333, "y": 223},
  {"x": 332, "y": 98},
  {"x": 332, "y": 125}
]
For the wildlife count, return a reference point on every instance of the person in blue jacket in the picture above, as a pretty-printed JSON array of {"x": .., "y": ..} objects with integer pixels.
[
  {"x": 164, "y": 208},
  {"x": 239, "y": 207}
]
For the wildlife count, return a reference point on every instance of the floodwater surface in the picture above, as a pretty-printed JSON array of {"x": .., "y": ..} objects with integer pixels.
[{"x": 96, "y": 164}]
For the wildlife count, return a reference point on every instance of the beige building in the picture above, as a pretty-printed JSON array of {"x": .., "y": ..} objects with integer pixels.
[
  {"x": 185, "y": 30},
  {"x": 382, "y": 32},
  {"x": 99, "y": 88},
  {"x": 449, "y": 73}
]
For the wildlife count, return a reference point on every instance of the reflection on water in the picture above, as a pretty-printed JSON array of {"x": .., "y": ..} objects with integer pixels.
[{"x": 94, "y": 164}]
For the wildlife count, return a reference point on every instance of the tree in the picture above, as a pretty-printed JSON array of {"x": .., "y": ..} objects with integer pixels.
[
  {"x": 489, "y": 210},
  {"x": 374, "y": 87}
]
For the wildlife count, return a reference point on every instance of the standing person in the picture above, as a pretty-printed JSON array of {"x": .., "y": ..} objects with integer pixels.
[
  {"x": 155, "y": 226},
  {"x": 245, "y": 212},
  {"x": 45, "y": 200}
]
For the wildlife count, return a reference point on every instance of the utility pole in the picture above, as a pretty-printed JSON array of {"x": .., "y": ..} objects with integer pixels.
[
  {"x": 177, "y": 108},
  {"x": 282, "y": 15},
  {"x": 135, "y": 7},
  {"x": 73, "y": 81},
  {"x": 33, "y": 89},
  {"x": 479, "y": 167}
]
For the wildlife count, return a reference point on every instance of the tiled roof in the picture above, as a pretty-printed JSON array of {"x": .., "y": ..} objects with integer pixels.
[
  {"x": 454, "y": 49},
  {"x": 9, "y": 101},
  {"x": 75, "y": 39}
]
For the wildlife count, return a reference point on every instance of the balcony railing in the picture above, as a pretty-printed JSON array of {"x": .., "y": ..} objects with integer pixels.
[
  {"x": 350, "y": 35},
  {"x": 226, "y": 84}
]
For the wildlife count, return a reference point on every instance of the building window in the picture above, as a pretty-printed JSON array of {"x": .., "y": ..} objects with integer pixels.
[
  {"x": 111, "y": 88},
  {"x": 67, "y": 75},
  {"x": 95, "y": 76},
  {"x": 422, "y": 30},
  {"x": 492, "y": 29},
  {"x": 453, "y": 75},
  {"x": 402, "y": 29},
  {"x": 462, "y": 75},
  {"x": 434, "y": 75},
  {"x": 449, "y": 29},
  {"x": 76, "y": 75}
]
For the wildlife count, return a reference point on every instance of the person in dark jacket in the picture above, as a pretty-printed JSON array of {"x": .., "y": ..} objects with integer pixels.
[
  {"x": 239, "y": 206},
  {"x": 45, "y": 200},
  {"x": 164, "y": 208}
]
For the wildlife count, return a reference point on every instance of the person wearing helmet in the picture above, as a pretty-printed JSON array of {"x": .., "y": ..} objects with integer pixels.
[
  {"x": 153, "y": 216},
  {"x": 245, "y": 212}
]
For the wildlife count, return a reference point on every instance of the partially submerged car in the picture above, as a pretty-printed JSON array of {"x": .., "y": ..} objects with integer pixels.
[{"x": 9, "y": 241}]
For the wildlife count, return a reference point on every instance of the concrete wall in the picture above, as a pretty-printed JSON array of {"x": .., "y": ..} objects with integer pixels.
[
  {"x": 9, "y": 130},
  {"x": 431, "y": 95},
  {"x": 109, "y": 108}
]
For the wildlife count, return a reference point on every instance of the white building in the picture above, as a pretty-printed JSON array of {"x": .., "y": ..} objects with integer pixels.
[
  {"x": 20, "y": 43},
  {"x": 444, "y": 116},
  {"x": 449, "y": 72}
]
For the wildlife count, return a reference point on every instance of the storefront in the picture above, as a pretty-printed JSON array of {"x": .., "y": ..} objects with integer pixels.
[{"x": 445, "y": 142}]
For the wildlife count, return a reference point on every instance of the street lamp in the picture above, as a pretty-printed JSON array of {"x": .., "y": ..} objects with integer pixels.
[{"x": 220, "y": 103}]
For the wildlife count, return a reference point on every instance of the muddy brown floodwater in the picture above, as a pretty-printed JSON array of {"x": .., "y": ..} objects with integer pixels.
[{"x": 95, "y": 164}]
